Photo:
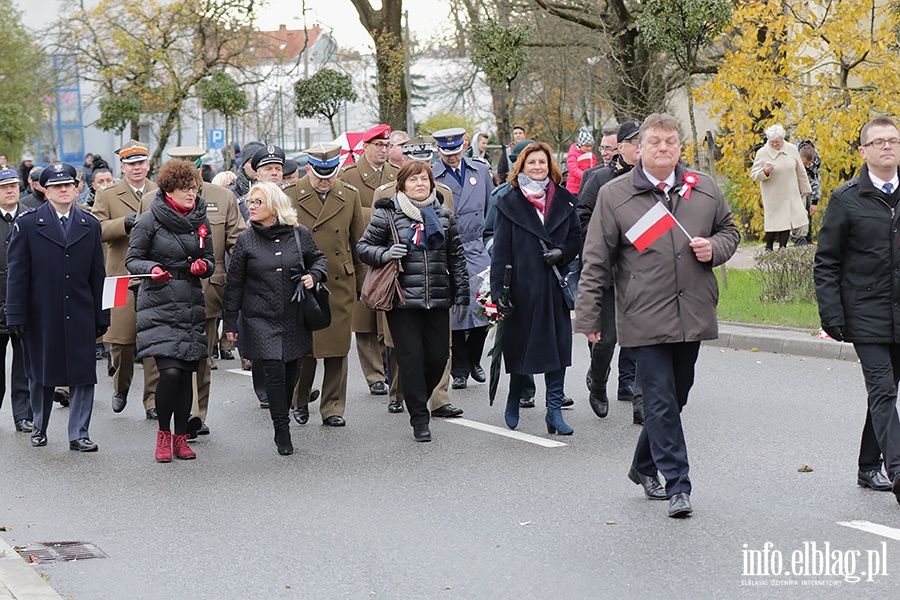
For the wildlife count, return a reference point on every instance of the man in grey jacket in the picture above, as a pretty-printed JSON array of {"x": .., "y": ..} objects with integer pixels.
[{"x": 666, "y": 291}]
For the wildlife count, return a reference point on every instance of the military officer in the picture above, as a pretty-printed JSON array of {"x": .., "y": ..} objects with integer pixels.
[
  {"x": 367, "y": 174},
  {"x": 225, "y": 223},
  {"x": 332, "y": 211},
  {"x": 418, "y": 148},
  {"x": 54, "y": 297},
  {"x": 471, "y": 183},
  {"x": 18, "y": 389},
  {"x": 117, "y": 208}
]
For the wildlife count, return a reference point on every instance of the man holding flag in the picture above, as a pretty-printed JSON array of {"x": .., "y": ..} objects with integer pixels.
[{"x": 678, "y": 227}]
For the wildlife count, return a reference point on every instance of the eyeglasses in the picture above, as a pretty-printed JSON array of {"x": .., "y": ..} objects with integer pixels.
[
  {"x": 608, "y": 148},
  {"x": 189, "y": 190},
  {"x": 879, "y": 142},
  {"x": 380, "y": 145},
  {"x": 254, "y": 202}
]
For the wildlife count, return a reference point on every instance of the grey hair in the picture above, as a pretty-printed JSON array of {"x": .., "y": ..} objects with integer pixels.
[
  {"x": 277, "y": 202},
  {"x": 775, "y": 132}
]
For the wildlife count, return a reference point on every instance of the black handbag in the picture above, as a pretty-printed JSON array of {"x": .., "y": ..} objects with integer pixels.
[
  {"x": 568, "y": 294},
  {"x": 313, "y": 305}
]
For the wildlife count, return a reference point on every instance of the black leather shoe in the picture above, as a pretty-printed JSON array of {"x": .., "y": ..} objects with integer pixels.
[
  {"x": 264, "y": 403},
  {"x": 422, "y": 433},
  {"x": 215, "y": 353},
  {"x": 119, "y": 400},
  {"x": 599, "y": 404},
  {"x": 194, "y": 425},
  {"x": 874, "y": 480},
  {"x": 638, "y": 417},
  {"x": 61, "y": 396},
  {"x": 313, "y": 396},
  {"x": 379, "y": 388},
  {"x": 284, "y": 450},
  {"x": 626, "y": 393},
  {"x": 395, "y": 406},
  {"x": 680, "y": 505},
  {"x": 83, "y": 445},
  {"x": 301, "y": 415},
  {"x": 447, "y": 411},
  {"x": 227, "y": 355},
  {"x": 38, "y": 439},
  {"x": 526, "y": 402},
  {"x": 567, "y": 402},
  {"x": 653, "y": 489},
  {"x": 478, "y": 374},
  {"x": 152, "y": 415},
  {"x": 24, "y": 425},
  {"x": 896, "y": 487},
  {"x": 204, "y": 429},
  {"x": 459, "y": 383},
  {"x": 334, "y": 421}
]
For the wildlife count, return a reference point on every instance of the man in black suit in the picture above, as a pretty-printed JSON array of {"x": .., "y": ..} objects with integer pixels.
[
  {"x": 53, "y": 302},
  {"x": 21, "y": 407}
]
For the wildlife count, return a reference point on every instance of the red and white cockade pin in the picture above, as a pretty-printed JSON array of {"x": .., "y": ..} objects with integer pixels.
[
  {"x": 690, "y": 180},
  {"x": 202, "y": 231}
]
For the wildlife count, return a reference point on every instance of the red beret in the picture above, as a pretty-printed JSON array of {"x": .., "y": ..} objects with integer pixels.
[{"x": 379, "y": 132}]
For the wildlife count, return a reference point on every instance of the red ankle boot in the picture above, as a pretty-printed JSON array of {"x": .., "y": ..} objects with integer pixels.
[
  {"x": 181, "y": 448},
  {"x": 163, "y": 446}
]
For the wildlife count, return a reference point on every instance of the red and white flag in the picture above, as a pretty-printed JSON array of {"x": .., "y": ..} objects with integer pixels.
[
  {"x": 115, "y": 291},
  {"x": 651, "y": 226}
]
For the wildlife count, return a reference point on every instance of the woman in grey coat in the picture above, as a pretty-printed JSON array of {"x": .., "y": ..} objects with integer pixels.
[
  {"x": 265, "y": 264},
  {"x": 172, "y": 243}
]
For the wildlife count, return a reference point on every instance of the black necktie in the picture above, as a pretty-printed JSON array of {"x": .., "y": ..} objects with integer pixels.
[
  {"x": 888, "y": 188},
  {"x": 9, "y": 217},
  {"x": 139, "y": 193},
  {"x": 64, "y": 220}
]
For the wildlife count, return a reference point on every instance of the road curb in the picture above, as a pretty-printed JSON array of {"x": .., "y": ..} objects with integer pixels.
[
  {"x": 18, "y": 581},
  {"x": 782, "y": 340}
]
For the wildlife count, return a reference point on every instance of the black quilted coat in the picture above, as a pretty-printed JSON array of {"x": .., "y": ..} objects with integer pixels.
[
  {"x": 171, "y": 316},
  {"x": 430, "y": 278},
  {"x": 259, "y": 285}
]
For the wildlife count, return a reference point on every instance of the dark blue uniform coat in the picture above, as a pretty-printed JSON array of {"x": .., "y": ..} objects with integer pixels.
[
  {"x": 55, "y": 289},
  {"x": 537, "y": 336}
]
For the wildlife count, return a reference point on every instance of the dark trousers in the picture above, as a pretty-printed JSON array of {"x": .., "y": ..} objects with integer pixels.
[
  {"x": 881, "y": 433},
  {"x": 523, "y": 386},
  {"x": 280, "y": 378},
  {"x": 259, "y": 379},
  {"x": 602, "y": 352},
  {"x": 81, "y": 404},
  {"x": 19, "y": 398},
  {"x": 468, "y": 345},
  {"x": 422, "y": 344},
  {"x": 667, "y": 374}
]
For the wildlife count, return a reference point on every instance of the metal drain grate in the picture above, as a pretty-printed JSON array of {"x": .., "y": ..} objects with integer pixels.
[{"x": 59, "y": 552}]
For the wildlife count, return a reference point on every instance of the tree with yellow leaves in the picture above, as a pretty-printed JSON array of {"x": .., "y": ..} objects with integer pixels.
[{"x": 821, "y": 70}]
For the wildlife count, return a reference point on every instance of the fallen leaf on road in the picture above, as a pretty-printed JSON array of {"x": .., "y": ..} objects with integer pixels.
[
  {"x": 45, "y": 576},
  {"x": 805, "y": 469},
  {"x": 610, "y": 522},
  {"x": 754, "y": 349},
  {"x": 3, "y": 528},
  {"x": 33, "y": 559},
  {"x": 287, "y": 586},
  {"x": 525, "y": 523}
]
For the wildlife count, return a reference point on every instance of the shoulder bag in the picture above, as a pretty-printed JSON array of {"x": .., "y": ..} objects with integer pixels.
[
  {"x": 313, "y": 305},
  {"x": 380, "y": 286},
  {"x": 568, "y": 294}
]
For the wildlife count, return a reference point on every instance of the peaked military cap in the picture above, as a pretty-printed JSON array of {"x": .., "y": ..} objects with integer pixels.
[
  {"x": 191, "y": 153},
  {"x": 267, "y": 155},
  {"x": 8, "y": 176},
  {"x": 58, "y": 173},
  {"x": 449, "y": 141},
  {"x": 379, "y": 132},
  {"x": 133, "y": 151},
  {"x": 628, "y": 130},
  {"x": 324, "y": 160},
  {"x": 290, "y": 167},
  {"x": 419, "y": 148}
]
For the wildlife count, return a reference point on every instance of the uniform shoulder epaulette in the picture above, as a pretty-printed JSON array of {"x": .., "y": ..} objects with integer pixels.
[
  {"x": 480, "y": 159},
  {"x": 384, "y": 186},
  {"x": 26, "y": 212},
  {"x": 346, "y": 168},
  {"x": 351, "y": 186}
]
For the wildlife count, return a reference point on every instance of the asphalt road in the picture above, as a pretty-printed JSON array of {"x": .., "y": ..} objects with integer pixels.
[{"x": 366, "y": 512}]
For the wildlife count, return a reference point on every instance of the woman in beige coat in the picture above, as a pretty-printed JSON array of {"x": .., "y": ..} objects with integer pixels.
[{"x": 784, "y": 185}]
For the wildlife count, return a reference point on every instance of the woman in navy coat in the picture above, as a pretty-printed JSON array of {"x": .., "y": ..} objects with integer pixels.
[{"x": 538, "y": 329}]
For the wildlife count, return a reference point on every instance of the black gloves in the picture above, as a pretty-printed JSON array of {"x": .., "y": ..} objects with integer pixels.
[
  {"x": 503, "y": 309},
  {"x": 553, "y": 256},
  {"x": 17, "y": 330},
  {"x": 129, "y": 221},
  {"x": 101, "y": 329},
  {"x": 835, "y": 331}
]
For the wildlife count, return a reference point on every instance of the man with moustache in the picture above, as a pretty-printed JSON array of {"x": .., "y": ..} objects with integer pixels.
[{"x": 56, "y": 309}]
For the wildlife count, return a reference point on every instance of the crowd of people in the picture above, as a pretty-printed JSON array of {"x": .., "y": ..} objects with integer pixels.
[{"x": 637, "y": 237}]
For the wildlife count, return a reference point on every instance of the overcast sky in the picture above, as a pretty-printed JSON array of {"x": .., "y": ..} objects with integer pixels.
[{"x": 338, "y": 16}]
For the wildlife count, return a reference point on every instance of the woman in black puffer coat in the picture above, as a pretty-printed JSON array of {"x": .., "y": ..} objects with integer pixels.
[
  {"x": 433, "y": 279},
  {"x": 263, "y": 263},
  {"x": 172, "y": 242}
]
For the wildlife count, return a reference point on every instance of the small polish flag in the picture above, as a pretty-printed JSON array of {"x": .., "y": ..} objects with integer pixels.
[
  {"x": 651, "y": 226},
  {"x": 115, "y": 291}
]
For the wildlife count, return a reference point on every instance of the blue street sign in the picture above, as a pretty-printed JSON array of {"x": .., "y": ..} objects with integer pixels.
[{"x": 216, "y": 138}]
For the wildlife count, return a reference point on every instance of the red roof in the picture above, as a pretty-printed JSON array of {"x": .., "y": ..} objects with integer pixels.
[{"x": 284, "y": 43}]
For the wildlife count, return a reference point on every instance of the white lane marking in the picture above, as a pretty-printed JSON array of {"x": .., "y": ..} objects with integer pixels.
[
  {"x": 868, "y": 527},
  {"x": 516, "y": 435},
  {"x": 240, "y": 372}
]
